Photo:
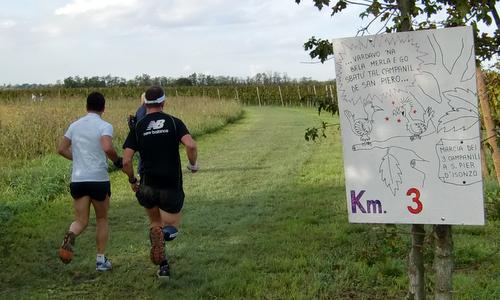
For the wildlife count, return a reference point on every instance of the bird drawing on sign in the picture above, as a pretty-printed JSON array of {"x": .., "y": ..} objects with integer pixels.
[
  {"x": 363, "y": 126},
  {"x": 415, "y": 126}
]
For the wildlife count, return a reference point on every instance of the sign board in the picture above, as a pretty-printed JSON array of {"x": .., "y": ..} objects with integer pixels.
[{"x": 410, "y": 127}]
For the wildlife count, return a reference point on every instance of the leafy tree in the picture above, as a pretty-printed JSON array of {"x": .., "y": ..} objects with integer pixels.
[
  {"x": 424, "y": 14},
  {"x": 183, "y": 81}
]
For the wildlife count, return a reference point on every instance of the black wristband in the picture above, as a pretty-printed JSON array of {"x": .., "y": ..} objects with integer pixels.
[
  {"x": 132, "y": 180},
  {"x": 118, "y": 163}
]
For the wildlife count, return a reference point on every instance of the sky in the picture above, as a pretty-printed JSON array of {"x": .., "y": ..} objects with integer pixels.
[{"x": 42, "y": 41}]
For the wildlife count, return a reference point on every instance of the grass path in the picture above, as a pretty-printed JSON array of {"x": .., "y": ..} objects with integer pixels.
[{"x": 265, "y": 218}]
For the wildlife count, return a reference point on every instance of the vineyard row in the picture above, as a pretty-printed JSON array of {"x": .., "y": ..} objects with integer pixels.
[{"x": 287, "y": 95}]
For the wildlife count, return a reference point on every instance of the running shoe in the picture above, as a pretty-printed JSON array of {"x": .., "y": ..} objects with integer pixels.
[
  {"x": 157, "y": 254},
  {"x": 103, "y": 266},
  {"x": 66, "y": 250},
  {"x": 164, "y": 272}
]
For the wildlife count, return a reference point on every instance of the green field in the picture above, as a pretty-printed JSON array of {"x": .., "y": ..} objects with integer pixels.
[{"x": 265, "y": 218}]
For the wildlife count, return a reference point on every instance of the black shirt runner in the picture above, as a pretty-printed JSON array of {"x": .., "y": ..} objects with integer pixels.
[{"x": 156, "y": 137}]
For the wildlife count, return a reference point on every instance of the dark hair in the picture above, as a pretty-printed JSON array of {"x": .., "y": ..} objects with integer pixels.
[
  {"x": 95, "y": 102},
  {"x": 154, "y": 93},
  {"x": 153, "y": 105}
]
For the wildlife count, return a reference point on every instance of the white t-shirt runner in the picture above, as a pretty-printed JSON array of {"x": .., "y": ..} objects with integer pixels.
[{"x": 89, "y": 160}]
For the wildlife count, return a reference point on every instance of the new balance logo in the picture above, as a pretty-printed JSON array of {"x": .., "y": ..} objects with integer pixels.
[{"x": 155, "y": 125}]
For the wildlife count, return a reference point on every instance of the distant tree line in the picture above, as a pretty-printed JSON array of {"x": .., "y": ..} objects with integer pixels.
[{"x": 195, "y": 79}]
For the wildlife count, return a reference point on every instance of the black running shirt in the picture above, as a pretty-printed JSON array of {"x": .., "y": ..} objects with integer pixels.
[{"x": 156, "y": 137}]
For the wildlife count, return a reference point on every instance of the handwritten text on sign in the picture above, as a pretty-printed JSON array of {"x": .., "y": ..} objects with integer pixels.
[{"x": 410, "y": 127}]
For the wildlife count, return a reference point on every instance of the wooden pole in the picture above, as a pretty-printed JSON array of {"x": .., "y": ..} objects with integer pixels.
[
  {"x": 300, "y": 98},
  {"x": 258, "y": 96},
  {"x": 443, "y": 262},
  {"x": 281, "y": 96},
  {"x": 484, "y": 165},
  {"x": 416, "y": 268},
  {"x": 218, "y": 93},
  {"x": 489, "y": 124},
  {"x": 416, "y": 264}
]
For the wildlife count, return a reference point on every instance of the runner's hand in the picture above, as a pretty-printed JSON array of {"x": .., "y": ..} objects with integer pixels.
[
  {"x": 134, "y": 184},
  {"x": 131, "y": 121},
  {"x": 193, "y": 168},
  {"x": 135, "y": 187},
  {"x": 118, "y": 163}
]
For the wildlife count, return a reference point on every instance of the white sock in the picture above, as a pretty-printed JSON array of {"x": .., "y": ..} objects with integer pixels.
[{"x": 100, "y": 257}]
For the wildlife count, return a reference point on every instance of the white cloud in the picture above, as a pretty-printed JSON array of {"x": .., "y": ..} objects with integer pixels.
[
  {"x": 164, "y": 37},
  {"x": 48, "y": 29},
  {"x": 78, "y": 7},
  {"x": 7, "y": 24}
]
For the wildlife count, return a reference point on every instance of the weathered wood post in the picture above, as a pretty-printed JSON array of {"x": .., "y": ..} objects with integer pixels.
[
  {"x": 258, "y": 95},
  {"x": 443, "y": 262},
  {"x": 416, "y": 268},
  {"x": 489, "y": 124},
  {"x": 281, "y": 96},
  {"x": 300, "y": 97}
]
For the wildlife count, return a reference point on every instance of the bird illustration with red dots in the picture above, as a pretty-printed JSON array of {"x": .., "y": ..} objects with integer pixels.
[{"x": 415, "y": 125}]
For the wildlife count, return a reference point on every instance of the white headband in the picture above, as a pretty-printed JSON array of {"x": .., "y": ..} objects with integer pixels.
[{"x": 159, "y": 100}]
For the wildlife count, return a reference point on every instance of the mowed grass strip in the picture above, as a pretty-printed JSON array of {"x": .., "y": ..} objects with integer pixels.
[{"x": 265, "y": 218}]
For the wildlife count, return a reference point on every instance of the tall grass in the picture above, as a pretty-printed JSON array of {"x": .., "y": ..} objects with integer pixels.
[
  {"x": 32, "y": 129},
  {"x": 30, "y": 172}
]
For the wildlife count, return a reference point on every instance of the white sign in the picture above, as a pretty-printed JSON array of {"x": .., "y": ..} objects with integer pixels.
[{"x": 410, "y": 127}]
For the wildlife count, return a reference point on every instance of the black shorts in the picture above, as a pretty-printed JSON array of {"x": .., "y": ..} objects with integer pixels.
[
  {"x": 97, "y": 190},
  {"x": 169, "y": 200}
]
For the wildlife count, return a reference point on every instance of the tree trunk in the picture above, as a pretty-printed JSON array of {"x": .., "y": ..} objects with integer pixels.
[
  {"x": 416, "y": 264},
  {"x": 443, "y": 262},
  {"x": 488, "y": 121}
]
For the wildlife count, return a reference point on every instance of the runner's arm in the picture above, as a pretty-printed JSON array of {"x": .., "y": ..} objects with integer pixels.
[
  {"x": 128, "y": 168},
  {"x": 64, "y": 148},
  {"x": 191, "y": 150},
  {"x": 107, "y": 147}
]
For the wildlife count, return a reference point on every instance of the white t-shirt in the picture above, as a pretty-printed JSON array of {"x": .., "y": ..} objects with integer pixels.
[{"x": 89, "y": 160}]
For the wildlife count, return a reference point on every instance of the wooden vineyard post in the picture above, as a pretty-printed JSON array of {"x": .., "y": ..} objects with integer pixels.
[
  {"x": 331, "y": 93},
  {"x": 300, "y": 98},
  {"x": 488, "y": 121},
  {"x": 443, "y": 262},
  {"x": 281, "y": 96},
  {"x": 258, "y": 96},
  {"x": 218, "y": 93},
  {"x": 176, "y": 94},
  {"x": 484, "y": 166},
  {"x": 237, "y": 96}
]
